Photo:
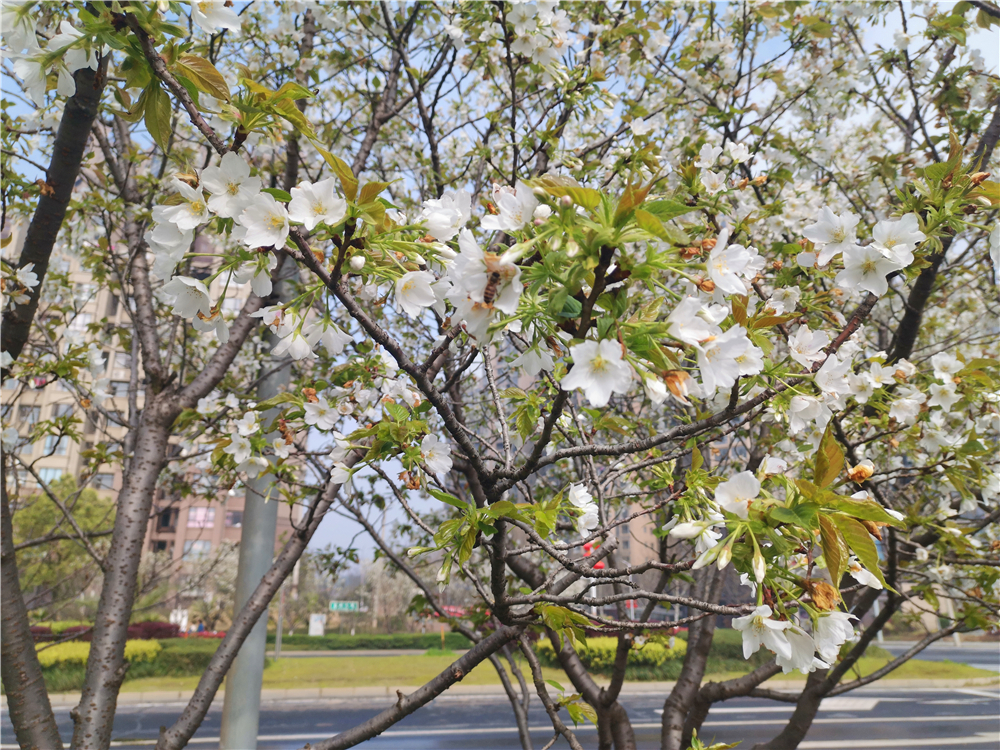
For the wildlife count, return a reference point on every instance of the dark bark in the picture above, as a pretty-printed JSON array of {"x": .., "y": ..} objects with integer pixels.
[
  {"x": 802, "y": 718},
  {"x": 27, "y": 700},
  {"x": 181, "y": 731},
  {"x": 909, "y": 327},
  {"x": 106, "y": 666},
  {"x": 613, "y": 725},
  {"x": 64, "y": 167},
  {"x": 713, "y": 692},
  {"x": 678, "y": 703}
]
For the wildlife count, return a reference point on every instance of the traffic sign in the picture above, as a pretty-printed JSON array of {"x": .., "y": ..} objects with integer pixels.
[{"x": 345, "y": 606}]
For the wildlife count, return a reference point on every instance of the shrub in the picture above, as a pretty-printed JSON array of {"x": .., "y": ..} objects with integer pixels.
[
  {"x": 76, "y": 652},
  {"x": 58, "y": 627},
  {"x": 598, "y": 655},
  {"x": 338, "y": 642}
]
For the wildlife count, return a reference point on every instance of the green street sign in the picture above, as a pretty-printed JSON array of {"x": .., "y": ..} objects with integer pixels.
[{"x": 345, "y": 606}]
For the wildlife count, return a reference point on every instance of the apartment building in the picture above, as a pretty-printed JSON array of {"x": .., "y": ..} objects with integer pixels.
[{"x": 188, "y": 529}]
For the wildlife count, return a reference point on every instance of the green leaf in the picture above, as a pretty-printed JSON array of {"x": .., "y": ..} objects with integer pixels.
[
  {"x": 281, "y": 398},
  {"x": 468, "y": 544},
  {"x": 205, "y": 76},
  {"x": 829, "y": 459},
  {"x": 859, "y": 540},
  {"x": 514, "y": 393},
  {"x": 633, "y": 197},
  {"x": 658, "y": 229},
  {"x": 371, "y": 190},
  {"x": 665, "y": 210},
  {"x": 444, "y": 497},
  {"x": 571, "y": 308},
  {"x": 867, "y": 510},
  {"x": 803, "y": 515},
  {"x": 833, "y": 550},
  {"x": 157, "y": 119},
  {"x": 278, "y": 194},
  {"x": 348, "y": 182}
]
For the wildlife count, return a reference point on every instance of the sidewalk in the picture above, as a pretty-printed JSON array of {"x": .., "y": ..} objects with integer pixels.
[{"x": 62, "y": 700}]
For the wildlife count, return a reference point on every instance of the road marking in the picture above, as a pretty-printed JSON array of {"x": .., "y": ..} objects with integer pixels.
[
  {"x": 969, "y": 691},
  {"x": 870, "y": 744},
  {"x": 829, "y": 704},
  {"x": 470, "y": 731}
]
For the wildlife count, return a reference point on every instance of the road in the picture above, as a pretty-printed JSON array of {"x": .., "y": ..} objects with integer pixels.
[
  {"x": 973, "y": 653},
  {"x": 872, "y": 719}
]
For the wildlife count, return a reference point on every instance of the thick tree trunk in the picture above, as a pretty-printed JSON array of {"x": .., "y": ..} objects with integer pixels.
[
  {"x": 106, "y": 666},
  {"x": 677, "y": 704},
  {"x": 64, "y": 167},
  {"x": 27, "y": 699},
  {"x": 802, "y": 718}
]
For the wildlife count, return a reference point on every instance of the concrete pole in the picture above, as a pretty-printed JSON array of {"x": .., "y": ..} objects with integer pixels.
[{"x": 241, "y": 706}]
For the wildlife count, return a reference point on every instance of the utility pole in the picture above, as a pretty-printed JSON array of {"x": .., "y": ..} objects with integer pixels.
[{"x": 241, "y": 706}]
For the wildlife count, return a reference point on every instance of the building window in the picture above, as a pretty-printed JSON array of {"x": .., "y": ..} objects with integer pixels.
[
  {"x": 123, "y": 361},
  {"x": 119, "y": 387},
  {"x": 234, "y": 518},
  {"x": 55, "y": 445},
  {"x": 166, "y": 520},
  {"x": 103, "y": 481},
  {"x": 201, "y": 518},
  {"x": 81, "y": 321},
  {"x": 49, "y": 475},
  {"x": 112, "y": 309},
  {"x": 63, "y": 410},
  {"x": 28, "y": 415},
  {"x": 195, "y": 549},
  {"x": 162, "y": 545}
]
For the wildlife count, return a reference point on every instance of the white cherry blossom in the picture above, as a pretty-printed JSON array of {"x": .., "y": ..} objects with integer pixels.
[
  {"x": 865, "y": 268},
  {"x": 212, "y": 15},
  {"x": 599, "y": 370},
  {"x": 760, "y": 630},
  {"x": 231, "y": 185},
  {"x": 833, "y": 233},
  {"x": 897, "y": 240},
  {"x": 317, "y": 203},
  {"x": 446, "y": 215},
  {"x": 735, "y": 495},
  {"x": 515, "y": 206},
  {"x": 187, "y": 296},
  {"x": 266, "y": 222},
  {"x": 436, "y": 454},
  {"x": 414, "y": 293}
]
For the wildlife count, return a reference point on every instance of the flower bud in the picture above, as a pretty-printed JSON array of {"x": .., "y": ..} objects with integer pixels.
[
  {"x": 759, "y": 568},
  {"x": 566, "y": 202},
  {"x": 706, "y": 285},
  {"x": 357, "y": 262},
  {"x": 861, "y": 472},
  {"x": 724, "y": 557}
]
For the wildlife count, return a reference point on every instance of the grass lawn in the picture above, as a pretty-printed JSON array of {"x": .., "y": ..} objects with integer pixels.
[{"x": 376, "y": 671}]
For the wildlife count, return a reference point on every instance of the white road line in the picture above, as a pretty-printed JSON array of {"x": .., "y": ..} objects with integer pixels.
[
  {"x": 830, "y": 704},
  {"x": 473, "y": 731},
  {"x": 969, "y": 691},
  {"x": 871, "y": 744}
]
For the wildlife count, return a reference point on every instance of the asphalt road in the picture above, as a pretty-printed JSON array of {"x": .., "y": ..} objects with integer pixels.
[
  {"x": 864, "y": 720},
  {"x": 973, "y": 653}
]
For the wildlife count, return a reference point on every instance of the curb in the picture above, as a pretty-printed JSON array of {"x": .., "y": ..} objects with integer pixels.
[{"x": 636, "y": 688}]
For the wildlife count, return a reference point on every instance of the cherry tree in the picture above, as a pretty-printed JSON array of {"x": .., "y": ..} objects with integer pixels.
[{"x": 538, "y": 273}]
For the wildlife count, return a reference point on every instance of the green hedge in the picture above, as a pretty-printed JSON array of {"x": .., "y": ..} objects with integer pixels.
[
  {"x": 178, "y": 657},
  {"x": 338, "y": 642},
  {"x": 652, "y": 661}
]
